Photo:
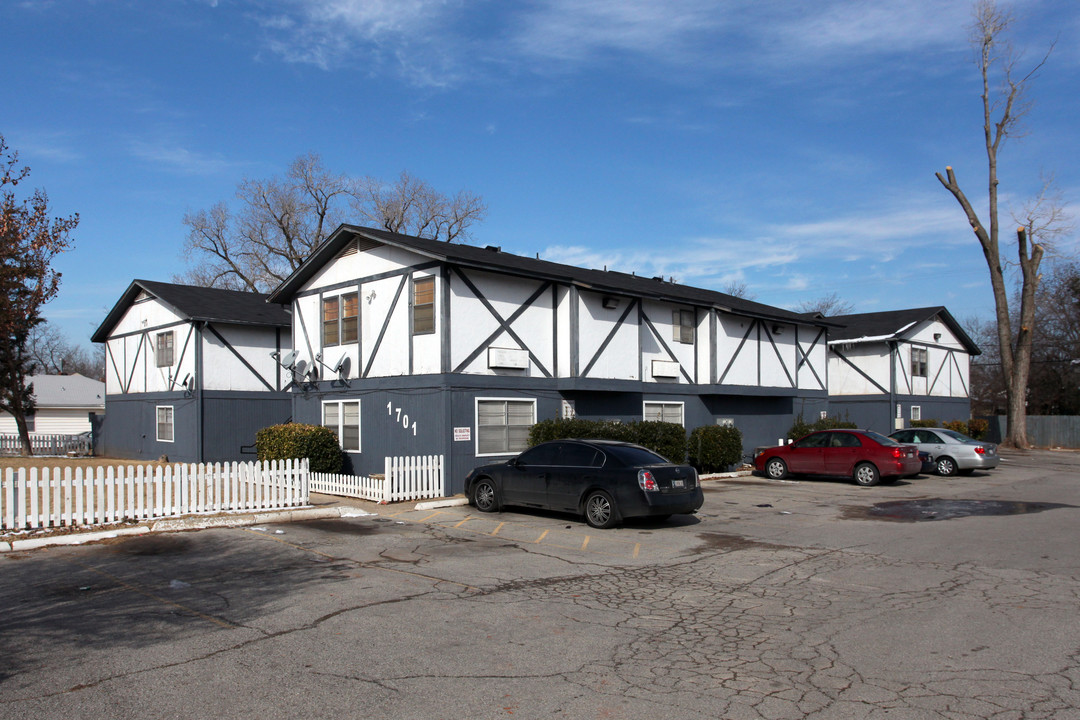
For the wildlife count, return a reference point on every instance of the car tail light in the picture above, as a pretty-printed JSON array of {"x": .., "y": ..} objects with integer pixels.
[
  {"x": 980, "y": 450},
  {"x": 898, "y": 452},
  {"x": 647, "y": 481}
]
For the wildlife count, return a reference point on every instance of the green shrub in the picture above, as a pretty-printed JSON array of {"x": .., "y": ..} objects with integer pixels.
[
  {"x": 714, "y": 448},
  {"x": 977, "y": 428},
  {"x": 932, "y": 422},
  {"x": 295, "y": 440},
  {"x": 667, "y": 439},
  {"x": 801, "y": 427}
]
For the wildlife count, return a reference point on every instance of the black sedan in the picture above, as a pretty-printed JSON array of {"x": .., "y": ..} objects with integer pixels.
[{"x": 604, "y": 480}]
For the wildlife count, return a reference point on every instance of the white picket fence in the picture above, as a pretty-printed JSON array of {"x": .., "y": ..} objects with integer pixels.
[
  {"x": 47, "y": 444},
  {"x": 63, "y": 497},
  {"x": 406, "y": 478}
]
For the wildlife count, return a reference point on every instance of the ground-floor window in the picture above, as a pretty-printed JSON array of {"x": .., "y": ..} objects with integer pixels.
[
  {"x": 343, "y": 417},
  {"x": 165, "y": 428},
  {"x": 671, "y": 412},
  {"x": 502, "y": 426},
  {"x": 916, "y": 412}
]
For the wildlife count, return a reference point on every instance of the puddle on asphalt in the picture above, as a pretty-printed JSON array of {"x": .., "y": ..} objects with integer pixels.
[
  {"x": 341, "y": 526},
  {"x": 943, "y": 509},
  {"x": 722, "y": 542},
  {"x": 165, "y": 544}
]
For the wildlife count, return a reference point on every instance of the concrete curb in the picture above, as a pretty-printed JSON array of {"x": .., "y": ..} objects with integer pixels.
[
  {"x": 447, "y": 502},
  {"x": 187, "y": 522}
]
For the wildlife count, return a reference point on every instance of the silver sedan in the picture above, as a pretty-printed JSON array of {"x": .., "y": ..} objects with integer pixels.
[{"x": 952, "y": 452}]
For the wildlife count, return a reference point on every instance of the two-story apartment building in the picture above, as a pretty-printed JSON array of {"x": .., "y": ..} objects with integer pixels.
[
  {"x": 887, "y": 369},
  {"x": 409, "y": 346},
  {"x": 189, "y": 372}
]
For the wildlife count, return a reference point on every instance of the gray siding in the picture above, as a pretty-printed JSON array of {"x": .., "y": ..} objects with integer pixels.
[
  {"x": 874, "y": 412},
  {"x": 229, "y": 422},
  {"x": 439, "y": 403}
]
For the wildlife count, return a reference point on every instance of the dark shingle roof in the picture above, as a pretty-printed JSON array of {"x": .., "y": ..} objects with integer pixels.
[
  {"x": 893, "y": 323},
  {"x": 496, "y": 260},
  {"x": 199, "y": 304}
]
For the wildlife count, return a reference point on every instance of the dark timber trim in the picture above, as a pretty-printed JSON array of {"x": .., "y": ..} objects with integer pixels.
[
  {"x": 859, "y": 370},
  {"x": 610, "y": 336},
  {"x": 238, "y": 356},
  {"x": 386, "y": 323}
]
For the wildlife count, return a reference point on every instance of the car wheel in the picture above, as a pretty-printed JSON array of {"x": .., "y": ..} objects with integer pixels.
[
  {"x": 484, "y": 496},
  {"x": 776, "y": 469},
  {"x": 600, "y": 510},
  {"x": 946, "y": 466},
  {"x": 866, "y": 475}
]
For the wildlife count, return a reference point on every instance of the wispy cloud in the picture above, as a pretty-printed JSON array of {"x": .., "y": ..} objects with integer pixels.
[
  {"x": 179, "y": 159},
  {"x": 439, "y": 42}
]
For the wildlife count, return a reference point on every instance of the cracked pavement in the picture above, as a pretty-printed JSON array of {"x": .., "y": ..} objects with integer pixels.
[{"x": 780, "y": 600}]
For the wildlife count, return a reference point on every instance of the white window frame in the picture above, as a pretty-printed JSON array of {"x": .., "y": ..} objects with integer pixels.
[
  {"x": 645, "y": 414},
  {"x": 916, "y": 412},
  {"x": 339, "y": 430},
  {"x": 476, "y": 423},
  {"x": 171, "y": 423}
]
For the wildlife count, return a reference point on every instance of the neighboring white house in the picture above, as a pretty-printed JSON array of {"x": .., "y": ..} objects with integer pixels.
[
  {"x": 887, "y": 369},
  {"x": 189, "y": 372},
  {"x": 63, "y": 405},
  {"x": 411, "y": 346}
]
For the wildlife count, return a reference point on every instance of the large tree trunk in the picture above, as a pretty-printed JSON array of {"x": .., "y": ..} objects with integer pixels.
[{"x": 24, "y": 435}]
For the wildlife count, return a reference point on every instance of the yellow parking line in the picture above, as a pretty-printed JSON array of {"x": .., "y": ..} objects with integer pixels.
[
  {"x": 585, "y": 543},
  {"x": 428, "y": 517},
  {"x": 637, "y": 549},
  {"x": 463, "y": 522},
  {"x": 542, "y": 535},
  {"x": 497, "y": 528}
]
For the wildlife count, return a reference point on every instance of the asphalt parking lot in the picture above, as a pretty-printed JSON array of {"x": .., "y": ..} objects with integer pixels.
[{"x": 930, "y": 598}]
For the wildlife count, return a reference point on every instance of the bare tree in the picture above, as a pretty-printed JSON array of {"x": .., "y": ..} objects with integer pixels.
[
  {"x": 739, "y": 289},
  {"x": 1003, "y": 110},
  {"x": 52, "y": 354},
  {"x": 279, "y": 222},
  {"x": 828, "y": 305},
  {"x": 29, "y": 239}
]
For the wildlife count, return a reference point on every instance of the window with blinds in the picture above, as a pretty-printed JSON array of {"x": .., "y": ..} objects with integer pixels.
[{"x": 502, "y": 426}]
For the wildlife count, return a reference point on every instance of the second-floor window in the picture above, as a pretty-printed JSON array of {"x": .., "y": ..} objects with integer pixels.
[
  {"x": 918, "y": 362},
  {"x": 423, "y": 306},
  {"x": 683, "y": 323},
  {"x": 341, "y": 319},
  {"x": 164, "y": 351}
]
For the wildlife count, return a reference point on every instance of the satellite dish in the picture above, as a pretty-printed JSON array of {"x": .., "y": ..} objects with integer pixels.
[
  {"x": 289, "y": 360},
  {"x": 189, "y": 382},
  {"x": 341, "y": 365}
]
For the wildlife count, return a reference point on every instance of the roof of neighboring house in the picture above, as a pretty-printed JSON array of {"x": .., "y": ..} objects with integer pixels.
[
  {"x": 494, "y": 259},
  {"x": 67, "y": 391},
  {"x": 199, "y": 304},
  {"x": 892, "y": 325}
]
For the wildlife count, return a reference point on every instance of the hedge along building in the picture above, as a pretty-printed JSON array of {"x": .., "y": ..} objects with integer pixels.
[
  {"x": 189, "y": 372},
  {"x": 408, "y": 346},
  {"x": 887, "y": 369}
]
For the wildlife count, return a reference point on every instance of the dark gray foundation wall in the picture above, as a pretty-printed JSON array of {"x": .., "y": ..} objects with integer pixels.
[
  {"x": 228, "y": 423},
  {"x": 436, "y": 415},
  {"x": 874, "y": 412}
]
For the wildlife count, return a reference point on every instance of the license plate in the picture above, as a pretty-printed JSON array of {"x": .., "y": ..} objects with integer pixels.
[{"x": 678, "y": 483}]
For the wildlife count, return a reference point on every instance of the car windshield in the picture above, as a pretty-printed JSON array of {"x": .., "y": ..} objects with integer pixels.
[
  {"x": 634, "y": 456},
  {"x": 879, "y": 438},
  {"x": 957, "y": 436}
]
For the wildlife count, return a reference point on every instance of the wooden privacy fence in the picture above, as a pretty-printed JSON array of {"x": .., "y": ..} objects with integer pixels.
[
  {"x": 53, "y": 497},
  {"x": 48, "y": 444},
  {"x": 406, "y": 478}
]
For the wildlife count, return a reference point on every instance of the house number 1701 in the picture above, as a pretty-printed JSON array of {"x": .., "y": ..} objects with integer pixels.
[{"x": 402, "y": 418}]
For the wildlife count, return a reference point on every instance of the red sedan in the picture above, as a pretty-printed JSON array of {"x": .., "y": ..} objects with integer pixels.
[{"x": 863, "y": 455}]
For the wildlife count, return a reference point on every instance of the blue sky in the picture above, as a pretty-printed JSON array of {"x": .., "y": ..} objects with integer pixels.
[{"x": 789, "y": 145}]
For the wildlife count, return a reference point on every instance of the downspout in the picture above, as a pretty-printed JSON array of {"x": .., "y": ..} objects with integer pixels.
[
  {"x": 199, "y": 391},
  {"x": 892, "y": 387}
]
